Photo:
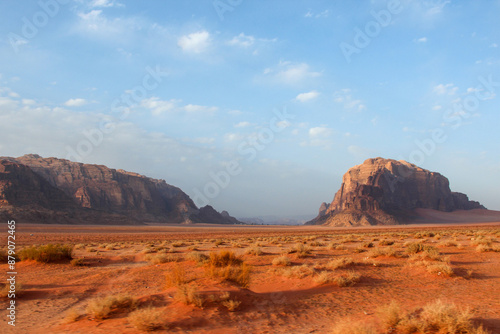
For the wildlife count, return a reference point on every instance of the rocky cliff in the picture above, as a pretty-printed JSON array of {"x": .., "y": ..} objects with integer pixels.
[
  {"x": 385, "y": 191},
  {"x": 79, "y": 191}
]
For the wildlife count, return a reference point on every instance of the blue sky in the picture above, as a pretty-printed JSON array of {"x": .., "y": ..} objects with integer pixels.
[{"x": 255, "y": 107}]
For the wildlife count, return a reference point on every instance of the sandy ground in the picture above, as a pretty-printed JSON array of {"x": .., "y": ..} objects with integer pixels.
[{"x": 115, "y": 262}]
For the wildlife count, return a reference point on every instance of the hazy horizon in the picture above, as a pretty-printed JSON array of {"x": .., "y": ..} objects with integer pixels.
[{"x": 257, "y": 108}]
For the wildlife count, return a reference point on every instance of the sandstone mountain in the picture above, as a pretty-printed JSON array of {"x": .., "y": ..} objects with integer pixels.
[
  {"x": 385, "y": 191},
  {"x": 56, "y": 190}
]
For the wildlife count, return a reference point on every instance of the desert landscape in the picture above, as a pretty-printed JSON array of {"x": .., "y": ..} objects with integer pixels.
[
  {"x": 249, "y": 167},
  {"x": 236, "y": 279}
]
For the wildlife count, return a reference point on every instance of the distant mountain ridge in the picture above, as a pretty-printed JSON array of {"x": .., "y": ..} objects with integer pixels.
[
  {"x": 45, "y": 189},
  {"x": 386, "y": 191}
]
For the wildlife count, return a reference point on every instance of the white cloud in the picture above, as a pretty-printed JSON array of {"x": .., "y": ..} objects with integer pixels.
[
  {"x": 104, "y": 3},
  {"x": 283, "y": 124},
  {"x": 291, "y": 73},
  {"x": 304, "y": 97},
  {"x": 494, "y": 45},
  {"x": 75, "y": 102},
  {"x": 448, "y": 89},
  {"x": 28, "y": 102},
  {"x": 437, "y": 107},
  {"x": 242, "y": 125},
  {"x": 310, "y": 14},
  {"x": 232, "y": 137},
  {"x": 158, "y": 106},
  {"x": 422, "y": 40},
  {"x": 196, "y": 42},
  {"x": 242, "y": 40},
  {"x": 235, "y": 112},
  {"x": 320, "y": 131},
  {"x": 344, "y": 97},
  {"x": 198, "y": 108}
]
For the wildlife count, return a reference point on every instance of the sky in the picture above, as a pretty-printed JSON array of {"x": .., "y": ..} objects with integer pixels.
[{"x": 255, "y": 107}]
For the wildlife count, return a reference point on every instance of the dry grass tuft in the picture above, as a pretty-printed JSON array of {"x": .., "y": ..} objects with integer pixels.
[
  {"x": 189, "y": 295},
  {"x": 223, "y": 258},
  {"x": 47, "y": 253},
  {"x": 102, "y": 307},
  {"x": 147, "y": 319},
  {"x": 342, "y": 262},
  {"x": 348, "y": 279},
  {"x": 176, "y": 276},
  {"x": 231, "y": 304},
  {"x": 282, "y": 261},
  {"x": 239, "y": 274},
  {"x": 350, "y": 326}
]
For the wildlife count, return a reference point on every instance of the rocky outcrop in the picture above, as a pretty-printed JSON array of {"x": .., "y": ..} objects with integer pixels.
[
  {"x": 385, "y": 191},
  {"x": 63, "y": 186}
]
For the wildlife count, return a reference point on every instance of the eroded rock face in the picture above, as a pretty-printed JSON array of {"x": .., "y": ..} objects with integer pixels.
[
  {"x": 384, "y": 191},
  {"x": 129, "y": 196}
]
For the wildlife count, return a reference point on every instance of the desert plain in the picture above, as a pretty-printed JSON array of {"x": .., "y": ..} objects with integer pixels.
[{"x": 258, "y": 279}]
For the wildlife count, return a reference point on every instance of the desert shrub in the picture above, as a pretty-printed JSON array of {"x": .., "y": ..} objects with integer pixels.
[
  {"x": 162, "y": 258},
  {"x": 102, "y": 307},
  {"x": 189, "y": 295},
  {"x": 353, "y": 327},
  {"x": 297, "y": 272},
  {"x": 439, "y": 316},
  {"x": 388, "y": 251},
  {"x": 386, "y": 242},
  {"x": 198, "y": 257},
  {"x": 448, "y": 243},
  {"x": 390, "y": 315},
  {"x": 487, "y": 248},
  {"x": 342, "y": 262},
  {"x": 323, "y": 277},
  {"x": 231, "y": 304},
  {"x": 302, "y": 250},
  {"x": 223, "y": 259},
  {"x": 348, "y": 279},
  {"x": 77, "y": 262},
  {"x": 418, "y": 247},
  {"x": 254, "y": 250},
  {"x": 147, "y": 319},
  {"x": 359, "y": 250},
  {"x": 72, "y": 315},
  {"x": 282, "y": 261},
  {"x": 47, "y": 253},
  {"x": 239, "y": 274},
  {"x": 440, "y": 268},
  {"x": 176, "y": 276},
  {"x": 368, "y": 245}
]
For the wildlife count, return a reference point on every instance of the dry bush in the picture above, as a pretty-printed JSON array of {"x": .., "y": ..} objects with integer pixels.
[
  {"x": 435, "y": 317},
  {"x": 440, "y": 268},
  {"x": 102, "y": 307},
  {"x": 231, "y": 304},
  {"x": 350, "y": 326},
  {"x": 176, "y": 276},
  {"x": 147, "y": 319},
  {"x": 487, "y": 248},
  {"x": 296, "y": 272},
  {"x": 198, "y": 257},
  {"x": 348, "y": 279},
  {"x": 223, "y": 259},
  {"x": 302, "y": 251},
  {"x": 282, "y": 261},
  {"x": 324, "y": 277},
  {"x": 254, "y": 250},
  {"x": 162, "y": 258},
  {"x": 386, "y": 242},
  {"x": 448, "y": 243},
  {"x": 239, "y": 274},
  {"x": 368, "y": 245},
  {"x": 77, "y": 262},
  {"x": 418, "y": 247},
  {"x": 341, "y": 262},
  {"x": 388, "y": 251},
  {"x": 189, "y": 295},
  {"x": 47, "y": 253},
  {"x": 72, "y": 315}
]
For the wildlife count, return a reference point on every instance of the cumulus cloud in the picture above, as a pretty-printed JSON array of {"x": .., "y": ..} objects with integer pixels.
[
  {"x": 242, "y": 40},
  {"x": 344, "y": 97},
  {"x": 75, "y": 102},
  {"x": 304, "y": 97},
  {"x": 158, "y": 106},
  {"x": 291, "y": 73},
  {"x": 320, "y": 131},
  {"x": 198, "y": 108},
  {"x": 242, "y": 125},
  {"x": 421, "y": 40},
  {"x": 447, "y": 89},
  {"x": 196, "y": 42}
]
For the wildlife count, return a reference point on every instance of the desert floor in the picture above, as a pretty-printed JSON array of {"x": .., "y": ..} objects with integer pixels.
[{"x": 162, "y": 269}]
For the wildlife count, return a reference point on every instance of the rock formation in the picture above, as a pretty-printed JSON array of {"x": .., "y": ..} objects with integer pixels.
[
  {"x": 385, "y": 191},
  {"x": 36, "y": 186}
]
